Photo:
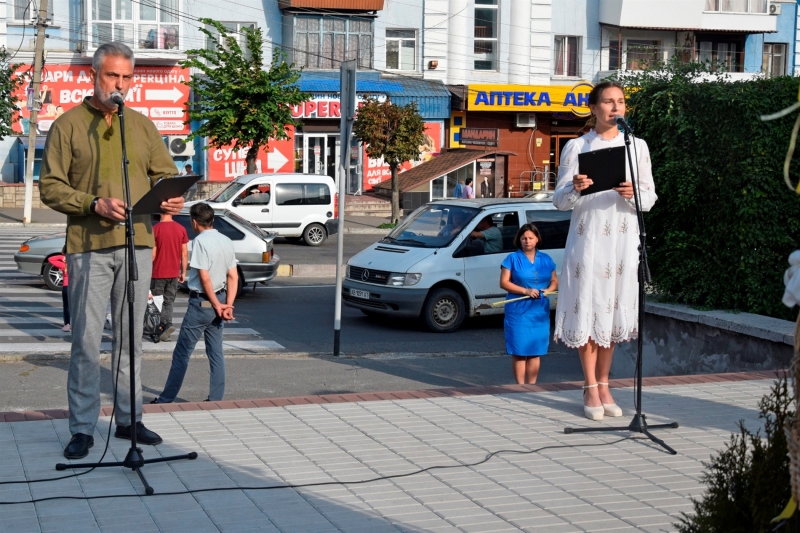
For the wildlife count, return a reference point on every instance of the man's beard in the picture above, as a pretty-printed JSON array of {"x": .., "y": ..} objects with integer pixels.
[{"x": 104, "y": 98}]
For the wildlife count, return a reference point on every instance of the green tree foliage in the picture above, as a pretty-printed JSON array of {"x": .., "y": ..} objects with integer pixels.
[
  {"x": 747, "y": 484},
  {"x": 725, "y": 223},
  {"x": 8, "y": 86},
  {"x": 393, "y": 133},
  {"x": 238, "y": 102}
]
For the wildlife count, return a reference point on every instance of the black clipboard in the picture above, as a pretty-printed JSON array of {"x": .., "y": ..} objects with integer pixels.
[
  {"x": 606, "y": 168},
  {"x": 163, "y": 190}
]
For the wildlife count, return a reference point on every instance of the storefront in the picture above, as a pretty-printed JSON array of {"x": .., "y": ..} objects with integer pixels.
[{"x": 533, "y": 122}]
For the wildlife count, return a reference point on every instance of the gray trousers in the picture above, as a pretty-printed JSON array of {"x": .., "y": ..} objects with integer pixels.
[{"x": 94, "y": 277}]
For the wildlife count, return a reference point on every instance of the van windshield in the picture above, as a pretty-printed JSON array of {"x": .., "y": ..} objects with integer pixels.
[
  {"x": 227, "y": 192},
  {"x": 432, "y": 226}
]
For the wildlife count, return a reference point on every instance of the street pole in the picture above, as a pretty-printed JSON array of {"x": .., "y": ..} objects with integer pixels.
[
  {"x": 41, "y": 24},
  {"x": 348, "y": 111}
]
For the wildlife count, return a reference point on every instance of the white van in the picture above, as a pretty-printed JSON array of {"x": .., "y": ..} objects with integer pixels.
[
  {"x": 428, "y": 267},
  {"x": 294, "y": 206}
]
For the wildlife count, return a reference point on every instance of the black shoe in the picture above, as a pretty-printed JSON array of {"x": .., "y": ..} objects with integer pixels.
[
  {"x": 143, "y": 435},
  {"x": 155, "y": 400},
  {"x": 78, "y": 446}
]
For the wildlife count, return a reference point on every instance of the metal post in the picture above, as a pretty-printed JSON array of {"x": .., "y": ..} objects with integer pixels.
[
  {"x": 38, "y": 61},
  {"x": 348, "y": 111}
]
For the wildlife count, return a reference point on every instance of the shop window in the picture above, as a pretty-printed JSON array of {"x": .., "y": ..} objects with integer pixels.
[
  {"x": 641, "y": 54},
  {"x": 566, "y": 56},
  {"x": 235, "y": 30},
  {"x": 774, "y": 60},
  {"x": 25, "y": 10},
  {"x": 143, "y": 25},
  {"x": 486, "y": 26},
  {"x": 400, "y": 49},
  {"x": 445, "y": 186},
  {"x": 325, "y": 41}
]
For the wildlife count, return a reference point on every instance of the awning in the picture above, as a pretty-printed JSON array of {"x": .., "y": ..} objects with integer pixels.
[
  {"x": 40, "y": 140},
  {"x": 432, "y": 97},
  {"x": 438, "y": 166}
]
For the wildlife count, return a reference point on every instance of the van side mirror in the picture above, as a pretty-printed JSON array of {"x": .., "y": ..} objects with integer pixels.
[{"x": 236, "y": 201}]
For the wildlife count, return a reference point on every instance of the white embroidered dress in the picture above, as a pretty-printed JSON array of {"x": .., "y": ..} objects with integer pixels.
[{"x": 598, "y": 286}]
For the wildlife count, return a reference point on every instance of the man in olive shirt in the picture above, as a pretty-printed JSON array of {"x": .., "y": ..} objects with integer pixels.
[{"x": 82, "y": 178}]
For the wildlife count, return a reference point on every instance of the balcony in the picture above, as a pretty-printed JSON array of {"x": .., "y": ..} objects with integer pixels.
[{"x": 745, "y": 16}]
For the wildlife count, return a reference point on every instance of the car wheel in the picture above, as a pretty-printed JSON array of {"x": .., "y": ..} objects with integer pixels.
[
  {"x": 314, "y": 235},
  {"x": 444, "y": 311},
  {"x": 53, "y": 277}
]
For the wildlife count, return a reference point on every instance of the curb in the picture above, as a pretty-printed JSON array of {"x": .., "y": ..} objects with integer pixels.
[
  {"x": 308, "y": 271},
  {"x": 366, "y": 231}
]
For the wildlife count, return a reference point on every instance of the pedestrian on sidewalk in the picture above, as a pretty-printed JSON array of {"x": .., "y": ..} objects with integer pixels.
[
  {"x": 82, "y": 178},
  {"x": 59, "y": 261},
  {"x": 212, "y": 280},
  {"x": 468, "y": 192},
  {"x": 170, "y": 264}
]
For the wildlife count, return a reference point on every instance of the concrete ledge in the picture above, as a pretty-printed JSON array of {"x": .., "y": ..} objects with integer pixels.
[{"x": 761, "y": 327}]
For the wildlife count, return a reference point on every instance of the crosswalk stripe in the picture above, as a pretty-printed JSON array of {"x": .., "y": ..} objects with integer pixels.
[
  {"x": 52, "y": 332},
  {"x": 237, "y": 346}
]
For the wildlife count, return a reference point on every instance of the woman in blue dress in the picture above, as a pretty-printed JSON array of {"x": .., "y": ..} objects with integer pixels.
[{"x": 527, "y": 272}]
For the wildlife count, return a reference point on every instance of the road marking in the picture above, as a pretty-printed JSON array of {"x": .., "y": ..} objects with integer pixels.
[
  {"x": 228, "y": 346},
  {"x": 297, "y": 286},
  {"x": 53, "y": 332}
]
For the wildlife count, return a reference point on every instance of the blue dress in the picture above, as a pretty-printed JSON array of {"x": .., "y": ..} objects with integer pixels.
[{"x": 527, "y": 322}]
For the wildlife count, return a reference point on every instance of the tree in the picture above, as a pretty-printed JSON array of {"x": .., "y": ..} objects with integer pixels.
[
  {"x": 8, "y": 86},
  {"x": 393, "y": 133},
  {"x": 236, "y": 100}
]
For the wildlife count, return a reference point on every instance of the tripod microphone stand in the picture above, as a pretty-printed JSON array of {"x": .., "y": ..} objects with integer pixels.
[
  {"x": 639, "y": 422},
  {"x": 134, "y": 459}
]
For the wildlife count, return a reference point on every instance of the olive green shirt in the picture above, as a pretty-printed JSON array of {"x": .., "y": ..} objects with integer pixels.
[{"x": 83, "y": 159}]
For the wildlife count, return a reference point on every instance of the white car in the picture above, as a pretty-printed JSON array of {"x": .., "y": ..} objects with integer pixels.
[
  {"x": 292, "y": 205},
  {"x": 426, "y": 267}
]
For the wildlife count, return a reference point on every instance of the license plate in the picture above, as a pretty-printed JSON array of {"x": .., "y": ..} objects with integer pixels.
[{"x": 359, "y": 294}]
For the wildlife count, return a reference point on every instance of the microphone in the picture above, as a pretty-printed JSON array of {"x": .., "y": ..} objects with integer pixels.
[
  {"x": 620, "y": 120},
  {"x": 117, "y": 98}
]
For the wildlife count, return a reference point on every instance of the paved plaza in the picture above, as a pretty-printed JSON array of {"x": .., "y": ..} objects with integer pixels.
[{"x": 539, "y": 478}]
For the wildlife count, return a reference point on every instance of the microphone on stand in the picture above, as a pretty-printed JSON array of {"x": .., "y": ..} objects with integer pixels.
[
  {"x": 118, "y": 99},
  {"x": 620, "y": 120}
]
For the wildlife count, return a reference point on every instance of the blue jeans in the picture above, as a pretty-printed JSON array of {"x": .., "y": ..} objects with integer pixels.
[{"x": 198, "y": 321}]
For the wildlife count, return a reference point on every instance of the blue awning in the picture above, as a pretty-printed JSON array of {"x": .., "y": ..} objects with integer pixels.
[
  {"x": 40, "y": 139},
  {"x": 432, "y": 97}
]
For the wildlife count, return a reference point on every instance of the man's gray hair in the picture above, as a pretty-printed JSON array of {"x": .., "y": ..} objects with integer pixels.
[{"x": 111, "y": 49}]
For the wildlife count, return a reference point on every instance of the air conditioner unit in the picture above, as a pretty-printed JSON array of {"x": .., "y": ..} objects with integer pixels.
[
  {"x": 526, "y": 120},
  {"x": 774, "y": 9},
  {"x": 178, "y": 145}
]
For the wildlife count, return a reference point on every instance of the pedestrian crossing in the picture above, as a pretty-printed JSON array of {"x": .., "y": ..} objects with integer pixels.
[{"x": 31, "y": 316}]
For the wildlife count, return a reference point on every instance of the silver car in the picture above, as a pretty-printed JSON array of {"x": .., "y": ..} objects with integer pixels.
[{"x": 257, "y": 262}]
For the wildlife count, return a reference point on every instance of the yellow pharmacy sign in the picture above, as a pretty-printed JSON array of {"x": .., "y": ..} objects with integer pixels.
[{"x": 530, "y": 98}]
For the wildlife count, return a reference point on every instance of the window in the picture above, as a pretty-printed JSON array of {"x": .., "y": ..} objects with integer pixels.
[
  {"x": 143, "y": 24},
  {"x": 400, "y": 49},
  {"x": 27, "y": 10},
  {"x": 302, "y": 194},
  {"x": 613, "y": 55},
  {"x": 485, "y": 48},
  {"x": 324, "y": 42},
  {"x": 236, "y": 30},
  {"x": 727, "y": 55},
  {"x": 566, "y": 56},
  {"x": 774, "y": 60},
  {"x": 737, "y": 6},
  {"x": 641, "y": 54},
  {"x": 553, "y": 225},
  {"x": 445, "y": 186}
]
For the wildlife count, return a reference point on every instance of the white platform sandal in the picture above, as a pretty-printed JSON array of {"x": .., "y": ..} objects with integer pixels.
[
  {"x": 610, "y": 409},
  {"x": 592, "y": 413}
]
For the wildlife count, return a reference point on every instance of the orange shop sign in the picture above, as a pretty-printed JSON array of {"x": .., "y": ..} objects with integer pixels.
[
  {"x": 225, "y": 163},
  {"x": 156, "y": 92}
]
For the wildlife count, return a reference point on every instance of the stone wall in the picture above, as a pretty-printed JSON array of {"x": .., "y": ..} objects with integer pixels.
[{"x": 13, "y": 194}]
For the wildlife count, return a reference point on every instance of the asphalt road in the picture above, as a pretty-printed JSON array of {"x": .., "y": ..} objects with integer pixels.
[{"x": 295, "y": 253}]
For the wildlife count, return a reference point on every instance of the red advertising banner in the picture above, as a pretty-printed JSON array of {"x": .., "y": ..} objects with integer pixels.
[
  {"x": 225, "y": 164},
  {"x": 157, "y": 92},
  {"x": 376, "y": 171}
]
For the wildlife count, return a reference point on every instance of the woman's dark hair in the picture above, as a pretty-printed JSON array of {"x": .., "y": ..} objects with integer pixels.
[
  {"x": 527, "y": 227},
  {"x": 596, "y": 92}
]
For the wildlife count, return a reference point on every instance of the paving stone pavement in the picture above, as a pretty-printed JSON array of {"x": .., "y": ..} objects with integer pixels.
[{"x": 577, "y": 482}]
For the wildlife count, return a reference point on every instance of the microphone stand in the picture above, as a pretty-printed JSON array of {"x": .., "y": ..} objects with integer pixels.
[
  {"x": 134, "y": 459},
  {"x": 639, "y": 422}
]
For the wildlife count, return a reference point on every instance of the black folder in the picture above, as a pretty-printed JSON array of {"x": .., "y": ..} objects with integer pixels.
[
  {"x": 606, "y": 168},
  {"x": 163, "y": 190}
]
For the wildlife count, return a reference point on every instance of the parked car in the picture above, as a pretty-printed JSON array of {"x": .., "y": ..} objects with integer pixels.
[
  {"x": 295, "y": 206},
  {"x": 256, "y": 260},
  {"x": 426, "y": 268}
]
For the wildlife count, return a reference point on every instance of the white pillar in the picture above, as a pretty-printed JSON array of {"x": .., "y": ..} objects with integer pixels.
[
  {"x": 460, "y": 31},
  {"x": 519, "y": 49}
]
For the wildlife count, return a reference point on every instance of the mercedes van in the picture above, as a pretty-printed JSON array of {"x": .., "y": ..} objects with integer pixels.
[{"x": 428, "y": 267}]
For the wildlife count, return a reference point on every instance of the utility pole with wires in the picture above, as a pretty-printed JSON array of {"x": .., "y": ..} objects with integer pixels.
[{"x": 38, "y": 62}]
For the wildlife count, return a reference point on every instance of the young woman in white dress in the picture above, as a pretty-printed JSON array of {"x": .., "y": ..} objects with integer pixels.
[{"x": 599, "y": 291}]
